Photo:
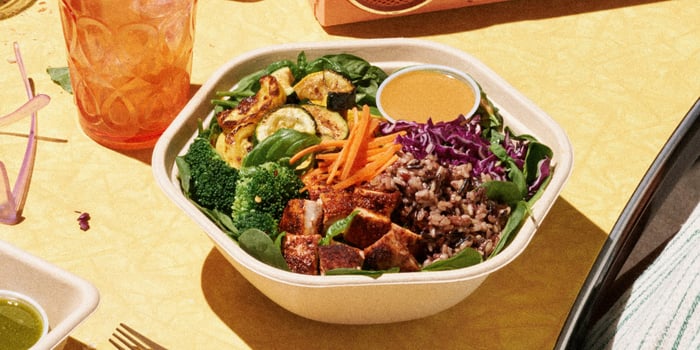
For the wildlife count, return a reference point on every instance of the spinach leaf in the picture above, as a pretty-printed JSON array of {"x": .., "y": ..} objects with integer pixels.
[
  {"x": 514, "y": 173},
  {"x": 466, "y": 257},
  {"x": 337, "y": 228},
  {"x": 283, "y": 143},
  {"x": 503, "y": 191},
  {"x": 494, "y": 121},
  {"x": 539, "y": 192},
  {"x": 184, "y": 174},
  {"x": 260, "y": 246},
  {"x": 371, "y": 273},
  {"x": 61, "y": 76},
  {"x": 536, "y": 152},
  {"x": 516, "y": 219},
  {"x": 361, "y": 73},
  {"x": 249, "y": 85}
]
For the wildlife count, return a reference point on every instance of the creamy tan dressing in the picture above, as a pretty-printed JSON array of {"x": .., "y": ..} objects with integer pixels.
[{"x": 423, "y": 94}]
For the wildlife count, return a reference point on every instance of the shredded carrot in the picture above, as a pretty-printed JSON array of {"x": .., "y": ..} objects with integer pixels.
[
  {"x": 382, "y": 140},
  {"x": 357, "y": 149},
  {"x": 367, "y": 173},
  {"x": 383, "y": 153},
  {"x": 323, "y": 145},
  {"x": 357, "y": 159}
]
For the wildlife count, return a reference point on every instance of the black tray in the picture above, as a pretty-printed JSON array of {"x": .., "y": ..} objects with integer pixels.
[{"x": 677, "y": 158}]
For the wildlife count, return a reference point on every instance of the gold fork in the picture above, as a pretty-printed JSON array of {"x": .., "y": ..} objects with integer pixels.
[{"x": 127, "y": 338}]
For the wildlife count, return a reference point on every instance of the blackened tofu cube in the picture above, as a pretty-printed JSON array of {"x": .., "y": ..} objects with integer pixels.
[
  {"x": 301, "y": 253},
  {"x": 302, "y": 217},
  {"x": 381, "y": 202},
  {"x": 338, "y": 255},
  {"x": 336, "y": 205},
  {"x": 366, "y": 228},
  {"x": 389, "y": 252},
  {"x": 411, "y": 240}
]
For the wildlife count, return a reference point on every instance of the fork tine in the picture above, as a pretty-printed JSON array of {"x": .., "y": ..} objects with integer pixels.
[
  {"x": 118, "y": 345},
  {"x": 127, "y": 340},
  {"x": 132, "y": 339}
]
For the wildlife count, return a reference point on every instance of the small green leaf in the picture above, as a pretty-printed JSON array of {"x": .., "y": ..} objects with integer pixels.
[
  {"x": 466, "y": 257},
  {"x": 516, "y": 175},
  {"x": 515, "y": 220},
  {"x": 337, "y": 228},
  {"x": 61, "y": 76},
  {"x": 260, "y": 246},
  {"x": 283, "y": 143},
  {"x": 503, "y": 191},
  {"x": 184, "y": 174},
  {"x": 371, "y": 273},
  {"x": 536, "y": 152}
]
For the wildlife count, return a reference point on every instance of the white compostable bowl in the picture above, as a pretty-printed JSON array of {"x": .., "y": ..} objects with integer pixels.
[
  {"x": 66, "y": 299},
  {"x": 351, "y": 299}
]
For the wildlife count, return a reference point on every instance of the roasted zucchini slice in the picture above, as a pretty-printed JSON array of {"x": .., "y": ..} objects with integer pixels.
[
  {"x": 285, "y": 78},
  {"x": 285, "y": 117},
  {"x": 329, "y": 124},
  {"x": 251, "y": 109},
  {"x": 234, "y": 147},
  {"x": 316, "y": 86}
]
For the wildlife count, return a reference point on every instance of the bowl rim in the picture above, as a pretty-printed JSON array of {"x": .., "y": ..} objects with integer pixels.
[
  {"x": 453, "y": 72},
  {"x": 166, "y": 173},
  {"x": 32, "y": 303},
  {"x": 85, "y": 297}
]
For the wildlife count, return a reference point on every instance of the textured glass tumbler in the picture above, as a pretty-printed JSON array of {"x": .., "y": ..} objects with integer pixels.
[{"x": 130, "y": 64}]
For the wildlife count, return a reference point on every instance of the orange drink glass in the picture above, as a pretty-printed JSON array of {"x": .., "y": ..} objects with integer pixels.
[{"x": 130, "y": 63}]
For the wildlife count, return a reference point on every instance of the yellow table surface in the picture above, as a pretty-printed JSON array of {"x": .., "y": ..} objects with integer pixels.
[{"x": 618, "y": 76}]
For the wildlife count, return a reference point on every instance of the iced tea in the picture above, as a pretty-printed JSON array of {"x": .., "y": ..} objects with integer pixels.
[{"x": 130, "y": 64}]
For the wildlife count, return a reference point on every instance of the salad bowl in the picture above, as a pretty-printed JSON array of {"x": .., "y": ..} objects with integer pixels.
[{"x": 358, "y": 299}]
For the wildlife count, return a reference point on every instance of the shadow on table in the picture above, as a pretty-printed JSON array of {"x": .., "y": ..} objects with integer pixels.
[
  {"x": 475, "y": 17},
  {"x": 553, "y": 268}
]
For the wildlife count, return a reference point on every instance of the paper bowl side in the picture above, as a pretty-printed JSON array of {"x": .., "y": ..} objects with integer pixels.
[{"x": 445, "y": 288}]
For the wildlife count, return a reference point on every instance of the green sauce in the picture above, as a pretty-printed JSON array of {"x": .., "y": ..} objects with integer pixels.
[{"x": 20, "y": 325}]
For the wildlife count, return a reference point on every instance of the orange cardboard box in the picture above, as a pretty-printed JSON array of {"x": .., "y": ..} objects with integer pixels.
[{"x": 334, "y": 12}]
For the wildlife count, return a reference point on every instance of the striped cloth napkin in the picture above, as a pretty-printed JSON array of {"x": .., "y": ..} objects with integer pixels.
[{"x": 661, "y": 309}]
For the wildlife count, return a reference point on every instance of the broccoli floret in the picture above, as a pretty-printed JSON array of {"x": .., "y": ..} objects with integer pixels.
[
  {"x": 252, "y": 219},
  {"x": 211, "y": 182},
  {"x": 262, "y": 192}
]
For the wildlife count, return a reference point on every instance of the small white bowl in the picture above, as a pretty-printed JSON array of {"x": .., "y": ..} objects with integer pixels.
[
  {"x": 66, "y": 299},
  {"x": 28, "y": 301},
  {"x": 353, "y": 299},
  {"x": 436, "y": 98}
]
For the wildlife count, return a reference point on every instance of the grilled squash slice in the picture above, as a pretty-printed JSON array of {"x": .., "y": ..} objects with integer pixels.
[
  {"x": 329, "y": 124},
  {"x": 316, "y": 86},
  {"x": 251, "y": 109},
  {"x": 285, "y": 78},
  {"x": 287, "y": 117},
  {"x": 234, "y": 147},
  {"x": 238, "y": 124}
]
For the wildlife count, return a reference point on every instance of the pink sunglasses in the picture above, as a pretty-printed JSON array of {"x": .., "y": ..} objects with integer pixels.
[{"x": 12, "y": 198}]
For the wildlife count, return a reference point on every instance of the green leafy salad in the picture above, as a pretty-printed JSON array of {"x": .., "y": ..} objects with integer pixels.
[{"x": 241, "y": 171}]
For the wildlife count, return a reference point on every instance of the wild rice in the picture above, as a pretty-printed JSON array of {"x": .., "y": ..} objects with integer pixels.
[{"x": 443, "y": 204}]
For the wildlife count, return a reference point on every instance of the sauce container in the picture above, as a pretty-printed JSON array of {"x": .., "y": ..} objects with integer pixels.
[
  {"x": 425, "y": 91},
  {"x": 22, "y": 321}
]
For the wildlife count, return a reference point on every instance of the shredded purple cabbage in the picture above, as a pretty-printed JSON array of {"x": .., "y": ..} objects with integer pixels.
[
  {"x": 543, "y": 173},
  {"x": 460, "y": 141},
  {"x": 84, "y": 221}
]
